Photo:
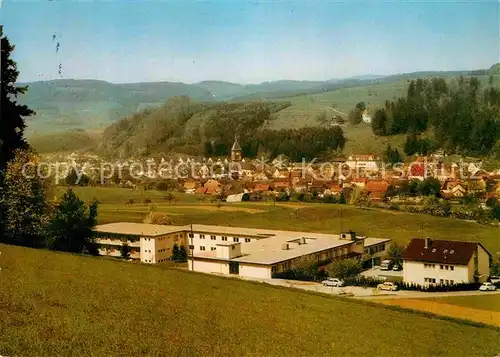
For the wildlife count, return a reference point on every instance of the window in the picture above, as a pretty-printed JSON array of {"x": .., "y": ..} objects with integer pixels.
[
  {"x": 232, "y": 247},
  {"x": 236, "y": 239},
  {"x": 191, "y": 247},
  {"x": 247, "y": 240},
  {"x": 224, "y": 238},
  {"x": 274, "y": 268},
  {"x": 202, "y": 248},
  {"x": 191, "y": 235},
  {"x": 441, "y": 281},
  {"x": 446, "y": 267},
  {"x": 452, "y": 268},
  {"x": 441, "y": 267},
  {"x": 212, "y": 237},
  {"x": 452, "y": 282},
  {"x": 213, "y": 248},
  {"x": 202, "y": 236}
]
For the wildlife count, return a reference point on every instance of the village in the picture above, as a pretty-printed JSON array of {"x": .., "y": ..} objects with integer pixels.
[{"x": 237, "y": 178}]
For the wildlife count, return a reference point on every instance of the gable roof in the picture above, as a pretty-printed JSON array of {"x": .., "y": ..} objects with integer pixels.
[{"x": 440, "y": 251}]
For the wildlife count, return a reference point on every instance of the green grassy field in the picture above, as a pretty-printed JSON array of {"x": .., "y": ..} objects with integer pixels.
[
  {"x": 484, "y": 302},
  {"x": 314, "y": 217},
  {"x": 57, "y": 304}
]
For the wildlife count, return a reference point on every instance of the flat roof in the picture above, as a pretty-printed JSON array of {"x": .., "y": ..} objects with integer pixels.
[
  {"x": 137, "y": 229},
  {"x": 270, "y": 251},
  {"x": 373, "y": 241}
]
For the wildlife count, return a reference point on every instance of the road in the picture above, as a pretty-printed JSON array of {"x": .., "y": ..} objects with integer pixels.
[{"x": 366, "y": 293}]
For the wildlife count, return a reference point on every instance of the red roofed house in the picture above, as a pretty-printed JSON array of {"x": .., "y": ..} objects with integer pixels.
[
  {"x": 417, "y": 169},
  {"x": 376, "y": 189},
  {"x": 434, "y": 262}
]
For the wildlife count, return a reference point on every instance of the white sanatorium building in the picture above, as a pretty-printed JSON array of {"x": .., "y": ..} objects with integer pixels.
[{"x": 246, "y": 252}]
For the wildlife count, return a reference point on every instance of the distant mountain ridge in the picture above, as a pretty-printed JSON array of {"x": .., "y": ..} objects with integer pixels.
[{"x": 66, "y": 104}]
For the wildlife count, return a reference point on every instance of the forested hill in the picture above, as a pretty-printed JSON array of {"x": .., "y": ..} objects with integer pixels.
[
  {"x": 185, "y": 126},
  {"x": 68, "y": 104},
  {"x": 462, "y": 117}
]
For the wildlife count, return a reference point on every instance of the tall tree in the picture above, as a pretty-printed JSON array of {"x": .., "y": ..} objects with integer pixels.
[
  {"x": 71, "y": 227},
  {"x": 12, "y": 115},
  {"x": 23, "y": 201}
]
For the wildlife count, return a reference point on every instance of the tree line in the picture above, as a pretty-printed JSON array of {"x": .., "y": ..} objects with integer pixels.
[{"x": 460, "y": 117}]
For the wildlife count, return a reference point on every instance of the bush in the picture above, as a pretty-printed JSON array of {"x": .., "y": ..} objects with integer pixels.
[
  {"x": 158, "y": 218},
  {"x": 147, "y": 200}
]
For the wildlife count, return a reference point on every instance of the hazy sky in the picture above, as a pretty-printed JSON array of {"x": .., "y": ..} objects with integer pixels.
[{"x": 247, "y": 42}]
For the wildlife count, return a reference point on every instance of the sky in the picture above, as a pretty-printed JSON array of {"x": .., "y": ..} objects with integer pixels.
[{"x": 247, "y": 42}]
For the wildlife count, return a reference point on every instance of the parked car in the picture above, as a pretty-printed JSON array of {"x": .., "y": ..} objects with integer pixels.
[
  {"x": 386, "y": 265},
  {"x": 495, "y": 279},
  {"x": 487, "y": 287},
  {"x": 333, "y": 282},
  {"x": 397, "y": 267},
  {"x": 387, "y": 286},
  {"x": 345, "y": 293}
]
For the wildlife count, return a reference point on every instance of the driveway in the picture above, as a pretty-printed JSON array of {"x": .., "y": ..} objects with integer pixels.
[{"x": 381, "y": 274}]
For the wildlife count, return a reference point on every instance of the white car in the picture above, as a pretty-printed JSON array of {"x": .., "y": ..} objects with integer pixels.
[
  {"x": 495, "y": 279},
  {"x": 487, "y": 287},
  {"x": 387, "y": 286},
  {"x": 333, "y": 282}
]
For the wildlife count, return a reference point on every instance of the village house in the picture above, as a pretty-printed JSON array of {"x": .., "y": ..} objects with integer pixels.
[
  {"x": 453, "y": 189},
  {"x": 363, "y": 162},
  {"x": 443, "y": 262},
  {"x": 376, "y": 189}
]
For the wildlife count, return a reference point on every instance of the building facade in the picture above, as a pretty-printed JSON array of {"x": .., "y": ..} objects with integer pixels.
[{"x": 443, "y": 262}]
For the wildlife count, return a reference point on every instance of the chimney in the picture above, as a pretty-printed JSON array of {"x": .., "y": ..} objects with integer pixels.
[
  {"x": 353, "y": 235},
  {"x": 284, "y": 246},
  {"x": 428, "y": 243}
]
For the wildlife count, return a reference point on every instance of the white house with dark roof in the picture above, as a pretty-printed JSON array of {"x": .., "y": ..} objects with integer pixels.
[{"x": 433, "y": 262}]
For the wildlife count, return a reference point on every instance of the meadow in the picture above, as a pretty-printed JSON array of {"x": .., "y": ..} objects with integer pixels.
[
  {"x": 482, "y": 302},
  {"x": 58, "y": 304},
  {"x": 314, "y": 217}
]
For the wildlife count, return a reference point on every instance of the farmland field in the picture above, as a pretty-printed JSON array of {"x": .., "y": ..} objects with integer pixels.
[
  {"x": 483, "y": 309},
  {"x": 482, "y": 302},
  {"x": 57, "y": 304},
  {"x": 314, "y": 217}
]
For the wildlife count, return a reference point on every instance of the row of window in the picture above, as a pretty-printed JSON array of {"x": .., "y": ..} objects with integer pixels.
[
  {"x": 162, "y": 260},
  {"x": 163, "y": 250},
  {"x": 376, "y": 249},
  {"x": 441, "y": 281},
  {"x": 202, "y": 247},
  {"x": 442, "y": 267},
  {"x": 224, "y": 238}
]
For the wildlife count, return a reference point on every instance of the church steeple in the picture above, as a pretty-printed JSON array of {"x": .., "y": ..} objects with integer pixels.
[{"x": 236, "y": 150}]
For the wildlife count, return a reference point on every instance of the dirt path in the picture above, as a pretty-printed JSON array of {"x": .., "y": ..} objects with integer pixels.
[{"x": 461, "y": 312}]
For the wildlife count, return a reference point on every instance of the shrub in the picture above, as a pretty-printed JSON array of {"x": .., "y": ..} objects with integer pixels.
[{"x": 158, "y": 218}]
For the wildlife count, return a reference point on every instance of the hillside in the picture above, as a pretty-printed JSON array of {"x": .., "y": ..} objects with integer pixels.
[
  {"x": 69, "y": 104},
  {"x": 61, "y": 304},
  {"x": 88, "y": 104}
]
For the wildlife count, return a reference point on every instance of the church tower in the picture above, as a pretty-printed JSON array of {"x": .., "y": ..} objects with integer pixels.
[{"x": 236, "y": 150}]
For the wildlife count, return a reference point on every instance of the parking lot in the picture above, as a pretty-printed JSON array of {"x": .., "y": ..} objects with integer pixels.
[{"x": 382, "y": 274}]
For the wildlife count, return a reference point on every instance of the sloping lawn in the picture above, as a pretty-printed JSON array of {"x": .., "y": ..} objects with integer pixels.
[{"x": 56, "y": 304}]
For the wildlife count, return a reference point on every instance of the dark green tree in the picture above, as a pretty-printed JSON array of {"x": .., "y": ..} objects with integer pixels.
[
  {"x": 430, "y": 186},
  {"x": 395, "y": 252},
  {"x": 175, "y": 252},
  {"x": 182, "y": 257},
  {"x": 12, "y": 116},
  {"x": 125, "y": 251},
  {"x": 71, "y": 228}
]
